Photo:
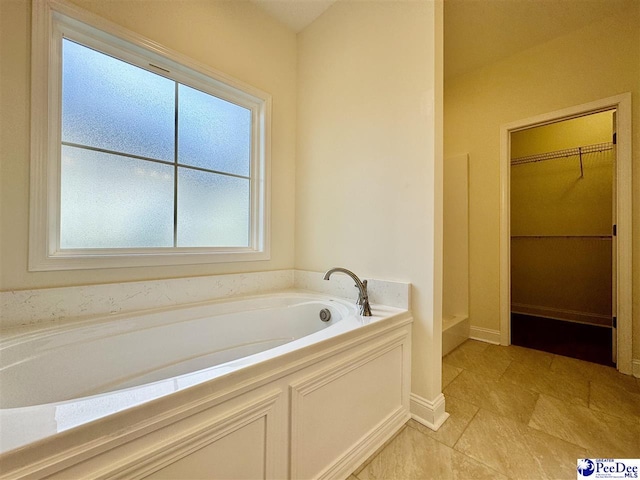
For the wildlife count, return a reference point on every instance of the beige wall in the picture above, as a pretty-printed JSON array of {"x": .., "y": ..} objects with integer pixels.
[
  {"x": 230, "y": 36},
  {"x": 594, "y": 62},
  {"x": 369, "y": 168},
  {"x": 550, "y": 198},
  {"x": 455, "y": 248}
]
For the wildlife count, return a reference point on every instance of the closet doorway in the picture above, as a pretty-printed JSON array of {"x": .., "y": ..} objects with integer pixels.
[
  {"x": 565, "y": 248},
  {"x": 562, "y": 217}
]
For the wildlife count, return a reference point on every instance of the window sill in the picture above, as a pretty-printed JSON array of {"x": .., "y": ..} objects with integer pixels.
[{"x": 98, "y": 260}]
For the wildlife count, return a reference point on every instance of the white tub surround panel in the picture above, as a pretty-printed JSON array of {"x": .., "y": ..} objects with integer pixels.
[
  {"x": 24, "y": 307},
  {"x": 383, "y": 292},
  {"x": 374, "y": 383}
]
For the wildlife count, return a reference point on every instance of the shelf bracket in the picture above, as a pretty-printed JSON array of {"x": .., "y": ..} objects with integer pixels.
[{"x": 581, "y": 168}]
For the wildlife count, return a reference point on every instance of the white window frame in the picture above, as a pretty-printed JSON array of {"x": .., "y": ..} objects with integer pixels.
[{"x": 53, "y": 19}]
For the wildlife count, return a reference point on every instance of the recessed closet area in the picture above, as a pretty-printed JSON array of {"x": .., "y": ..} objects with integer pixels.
[{"x": 562, "y": 242}]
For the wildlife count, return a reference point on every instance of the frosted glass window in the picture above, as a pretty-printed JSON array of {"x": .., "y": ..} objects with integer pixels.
[
  {"x": 109, "y": 201},
  {"x": 213, "y": 209},
  {"x": 113, "y": 105},
  {"x": 112, "y": 198},
  {"x": 213, "y": 133}
]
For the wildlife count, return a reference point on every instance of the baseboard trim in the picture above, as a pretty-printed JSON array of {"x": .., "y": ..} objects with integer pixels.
[
  {"x": 430, "y": 414},
  {"x": 636, "y": 368},
  {"x": 562, "y": 314},
  {"x": 485, "y": 335}
]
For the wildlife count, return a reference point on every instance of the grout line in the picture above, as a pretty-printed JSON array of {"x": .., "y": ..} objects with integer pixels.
[
  {"x": 476, "y": 460},
  {"x": 464, "y": 430},
  {"x": 454, "y": 377},
  {"x": 505, "y": 371},
  {"x": 452, "y": 447}
]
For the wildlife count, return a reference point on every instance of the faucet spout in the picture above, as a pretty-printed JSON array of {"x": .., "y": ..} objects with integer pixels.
[{"x": 361, "y": 285}]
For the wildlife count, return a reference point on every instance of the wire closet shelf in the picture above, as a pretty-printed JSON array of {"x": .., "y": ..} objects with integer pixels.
[{"x": 569, "y": 152}]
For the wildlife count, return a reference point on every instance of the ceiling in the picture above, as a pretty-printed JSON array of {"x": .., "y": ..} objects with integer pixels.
[
  {"x": 478, "y": 32},
  {"x": 295, "y": 14}
]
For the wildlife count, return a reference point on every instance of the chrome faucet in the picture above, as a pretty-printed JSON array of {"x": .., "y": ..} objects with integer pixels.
[{"x": 363, "y": 296}]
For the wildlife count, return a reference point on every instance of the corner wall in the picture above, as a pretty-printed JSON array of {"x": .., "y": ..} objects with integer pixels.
[
  {"x": 234, "y": 37},
  {"x": 595, "y": 62},
  {"x": 369, "y": 166}
]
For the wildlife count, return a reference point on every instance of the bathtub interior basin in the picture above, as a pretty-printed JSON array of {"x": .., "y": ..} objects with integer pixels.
[{"x": 105, "y": 355}]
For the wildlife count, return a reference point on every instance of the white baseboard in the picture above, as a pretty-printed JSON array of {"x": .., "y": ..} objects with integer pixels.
[
  {"x": 636, "y": 368},
  {"x": 562, "y": 314},
  {"x": 485, "y": 335},
  {"x": 430, "y": 414}
]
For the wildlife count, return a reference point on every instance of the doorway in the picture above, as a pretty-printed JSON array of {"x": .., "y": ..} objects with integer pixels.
[
  {"x": 620, "y": 272},
  {"x": 562, "y": 213}
]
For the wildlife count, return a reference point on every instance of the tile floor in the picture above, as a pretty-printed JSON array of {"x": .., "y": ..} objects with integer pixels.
[{"x": 516, "y": 413}]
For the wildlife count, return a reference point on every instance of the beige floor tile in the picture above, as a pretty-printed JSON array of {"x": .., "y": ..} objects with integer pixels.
[
  {"x": 615, "y": 401},
  {"x": 377, "y": 452},
  {"x": 473, "y": 346},
  {"x": 570, "y": 388},
  {"x": 525, "y": 356},
  {"x": 352, "y": 477},
  {"x": 502, "y": 397},
  {"x": 595, "y": 372},
  {"x": 460, "y": 414},
  {"x": 413, "y": 455},
  {"x": 605, "y": 436},
  {"x": 517, "y": 450},
  {"x": 449, "y": 372},
  {"x": 474, "y": 357}
]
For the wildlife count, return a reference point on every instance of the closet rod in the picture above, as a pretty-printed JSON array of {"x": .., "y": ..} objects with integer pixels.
[{"x": 569, "y": 152}]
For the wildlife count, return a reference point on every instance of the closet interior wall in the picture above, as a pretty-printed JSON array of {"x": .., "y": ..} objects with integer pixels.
[{"x": 561, "y": 220}]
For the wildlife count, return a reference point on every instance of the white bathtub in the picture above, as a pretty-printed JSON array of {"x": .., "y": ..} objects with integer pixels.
[{"x": 90, "y": 388}]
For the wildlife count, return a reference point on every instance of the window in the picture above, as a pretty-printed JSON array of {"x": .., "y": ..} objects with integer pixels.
[{"x": 143, "y": 157}]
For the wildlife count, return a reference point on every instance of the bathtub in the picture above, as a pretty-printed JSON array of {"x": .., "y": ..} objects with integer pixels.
[{"x": 258, "y": 378}]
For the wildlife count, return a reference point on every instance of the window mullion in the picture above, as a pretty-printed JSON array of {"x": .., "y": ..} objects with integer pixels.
[{"x": 175, "y": 171}]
